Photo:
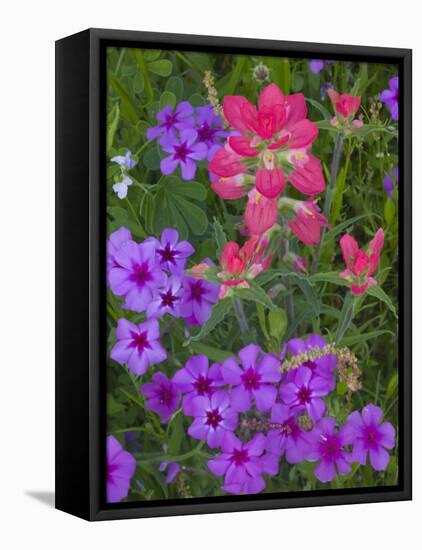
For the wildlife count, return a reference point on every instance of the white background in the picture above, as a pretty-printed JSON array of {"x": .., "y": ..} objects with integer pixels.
[{"x": 28, "y": 31}]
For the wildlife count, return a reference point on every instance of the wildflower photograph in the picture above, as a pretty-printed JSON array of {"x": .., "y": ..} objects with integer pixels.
[{"x": 252, "y": 275}]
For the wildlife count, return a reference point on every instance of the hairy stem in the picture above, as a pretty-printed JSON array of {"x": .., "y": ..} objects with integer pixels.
[{"x": 240, "y": 314}]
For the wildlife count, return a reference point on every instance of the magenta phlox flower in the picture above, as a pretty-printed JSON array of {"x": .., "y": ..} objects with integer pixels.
[
  {"x": 121, "y": 466},
  {"x": 369, "y": 435},
  {"x": 162, "y": 396},
  {"x": 285, "y": 436},
  {"x": 252, "y": 381}
]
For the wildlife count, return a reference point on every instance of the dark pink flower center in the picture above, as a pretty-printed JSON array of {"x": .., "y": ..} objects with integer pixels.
[
  {"x": 168, "y": 299},
  {"x": 170, "y": 121},
  {"x": 304, "y": 395},
  {"x": 206, "y": 133},
  {"x": 251, "y": 379},
  {"x": 197, "y": 291},
  {"x": 213, "y": 418},
  {"x": 141, "y": 274},
  {"x": 310, "y": 364},
  {"x": 289, "y": 428},
  {"x": 239, "y": 456},
  {"x": 181, "y": 151},
  {"x": 372, "y": 437},
  {"x": 140, "y": 341},
  {"x": 202, "y": 385},
  {"x": 167, "y": 254},
  {"x": 330, "y": 446},
  {"x": 165, "y": 395}
]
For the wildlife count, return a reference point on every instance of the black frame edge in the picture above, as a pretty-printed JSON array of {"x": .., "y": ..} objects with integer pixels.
[
  {"x": 90, "y": 168},
  {"x": 72, "y": 382}
]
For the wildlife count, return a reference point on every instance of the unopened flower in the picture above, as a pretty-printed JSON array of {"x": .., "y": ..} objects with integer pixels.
[
  {"x": 308, "y": 222},
  {"x": 261, "y": 213},
  {"x": 345, "y": 105},
  {"x": 390, "y": 181},
  {"x": 361, "y": 264},
  {"x": 261, "y": 73}
]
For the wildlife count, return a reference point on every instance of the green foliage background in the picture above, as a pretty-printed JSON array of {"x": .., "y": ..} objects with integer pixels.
[{"x": 140, "y": 83}]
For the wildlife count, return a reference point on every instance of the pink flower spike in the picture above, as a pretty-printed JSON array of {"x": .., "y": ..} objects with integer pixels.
[
  {"x": 232, "y": 187},
  {"x": 376, "y": 244},
  {"x": 226, "y": 163},
  {"x": 345, "y": 105},
  {"x": 307, "y": 176}
]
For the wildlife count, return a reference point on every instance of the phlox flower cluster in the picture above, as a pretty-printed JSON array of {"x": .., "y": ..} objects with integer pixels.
[
  {"x": 253, "y": 414},
  {"x": 150, "y": 278},
  {"x": 187, "y": 135}
]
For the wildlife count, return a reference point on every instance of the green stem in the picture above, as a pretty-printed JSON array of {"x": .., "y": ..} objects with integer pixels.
[
  {"x": 141, "y": 229},
  {"x": 347, "y": 316},
  {"x": 177, "y": 458},
  {"x": 240, "y": 314},
  {"x": 338, "y": 146}
]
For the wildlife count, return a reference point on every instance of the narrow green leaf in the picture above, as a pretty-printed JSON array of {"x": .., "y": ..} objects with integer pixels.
[
  {"x": 262, "y": 320},
  {"x": 149, "y": 94},
  {"x": 112, "y": 126},
  {"x": 220, "y": 237},
  {"x": 377, "y": 292},
  {"x": 255, "y": 294},
  {"x": 359, "y": 338},
  {"x": 219, "y": 311},
  {"x": 212, "y": 353},
  {"x": 277, "y": 321},
  {"x": 127, "y": 107}
]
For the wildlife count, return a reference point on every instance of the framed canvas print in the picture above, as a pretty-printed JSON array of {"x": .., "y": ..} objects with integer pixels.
[{"x": 233, "y": 274}]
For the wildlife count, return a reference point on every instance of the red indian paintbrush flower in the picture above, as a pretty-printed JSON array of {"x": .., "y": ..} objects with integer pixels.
[
  {"x": 308, "y": 222},
  {"x": 345, "y": 105},
  {"x": 360, "y": 264},
  {"x": 241, "y": 264},
  {"x": 261, "y": 213}
]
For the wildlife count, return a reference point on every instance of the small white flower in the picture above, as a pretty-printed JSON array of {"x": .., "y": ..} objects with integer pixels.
[
  {"x": 121, "y": 187},
  {"x": 125, "y": 161}
]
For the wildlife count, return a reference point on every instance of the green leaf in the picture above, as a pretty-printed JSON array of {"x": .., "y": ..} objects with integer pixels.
[
  {"x": 215, "y": 354},
  {"x": 277, "y": 321},
  {"x": 219, "y": 311},
  {"x": 194, "y": 216},
  {"x": 262, "y": 320},
  {"x": 280, "y": 73},
  {"x": 177, "y": 435},
  {"x": 377, "y": 292},
  {"x": 113, "y": 406},
  {"x": 149, "y": 94},
  {"x": 341, "y": 227},
  {"x": 309, "y": 294},
  {"x": 338, "y": 197},
  {"x": 359, "y": 338},
  {"x": 317, "y": 105},
  {"x": 235, "y": 75},
  {"x": 220, "y": 237},
  {"x": 127, "y": 107},
  {"x": 151, "y": 55},
  {"x": 162, "y": 67},
  {"x": 329, "y": 277},
  {"x": 175, "y": 85},
  {"x": 256, "y": 294},
  {"x": 112, "y": 126},
  {"x": 392, "y": 386},
  {"x": 167, "y": 98},
  {"x": 389, "y": 211},
  {"x": 191, "y": 189}
]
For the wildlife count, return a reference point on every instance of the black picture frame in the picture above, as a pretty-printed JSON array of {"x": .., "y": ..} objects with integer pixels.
[{"x": 80, "y": 280}]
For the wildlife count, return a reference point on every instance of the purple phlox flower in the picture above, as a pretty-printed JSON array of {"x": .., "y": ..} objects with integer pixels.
[
  {"x": 171, "y": 254},
  {"x": 195, "y": 379},
  {"x": 389, "y": 180},
  {"x": 121, "y": 466},
  {"x": 213, "y": 418},
  {"x": 166, "y": 299},
  {"x": 138, "y": 346},
  {"x": 171, "y": 119},
  {"x": 209, "y": 126},
  {"x": 198, "y": 299},
  {"x": 327, "y": 447},
  {"x": 242, "y": 464},
  {"x": 137, "y": 275},
  {"x": 172, "y": 468},
  {"x": 114, "y": 242},
  {"x": 304, "y": 392},
  {"x": 182, "y": 151},
  {"x": 163, "y": 396},
  {"x": 316, "y": 65},
  {"x": 254, "y": 380},
  {"x": 285, "y": 436},
  {"x": 125, "y": 161},
  {"x": 368, "y": 435},
  {"x": 390, "y": 97},
  {"x": 121, "y": 187},
  {"x": 323, "y": 365}
]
